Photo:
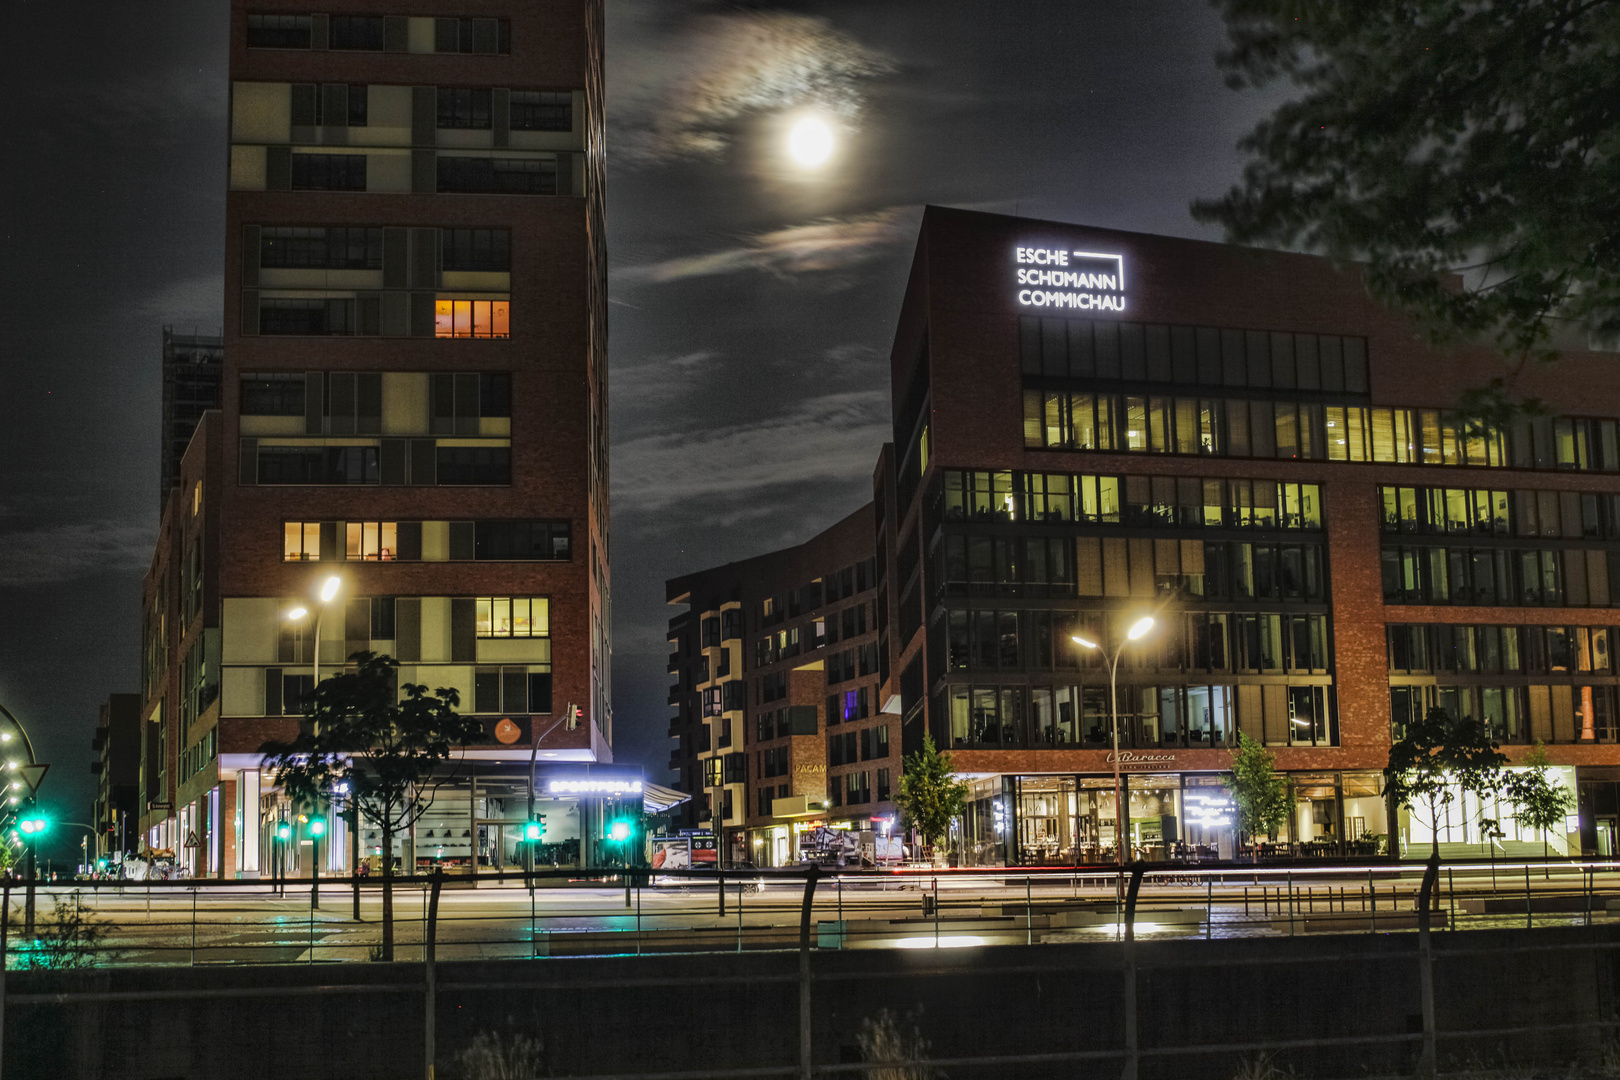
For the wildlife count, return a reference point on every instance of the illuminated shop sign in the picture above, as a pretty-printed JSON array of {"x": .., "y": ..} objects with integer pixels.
[
  {"x": 1069, "y": 280},
  {"x": 1129, "y": 759},
  {"x": 625, "y": 786},
  {"x": 1212, "y": 809}
]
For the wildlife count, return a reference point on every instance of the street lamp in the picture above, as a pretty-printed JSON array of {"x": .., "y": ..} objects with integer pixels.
[
  {"x": 328, "y": 591},
  {"x": 1138, "y": 630}
]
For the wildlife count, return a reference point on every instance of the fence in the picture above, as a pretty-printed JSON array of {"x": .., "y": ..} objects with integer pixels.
[{"x": 221, "y": 925}]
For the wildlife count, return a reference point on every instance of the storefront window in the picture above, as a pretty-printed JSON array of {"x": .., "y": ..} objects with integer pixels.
[
  {"x": 1155, "y": 814},
  {"x": 1210, "y": 824},
  {"x": 1046, "y": 812},
  {"x": 1316, "y": 813},
  {"x": 1094, "y": 823},
  {"x": 1366, "y": 817},
  {"x": 984, "y": 824}
]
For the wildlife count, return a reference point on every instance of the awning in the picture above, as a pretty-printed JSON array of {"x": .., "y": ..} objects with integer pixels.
[{"x": 655, "y": 798}]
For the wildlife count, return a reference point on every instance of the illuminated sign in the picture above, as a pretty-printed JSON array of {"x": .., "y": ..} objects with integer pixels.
[
  {"x": 1211, "y": 808},
  {"x": 624, "y": 786},
  {"x": 998, "y": 816},
  {"x": 1074, "y": 280},
  {"x": 1131, "y": 760}
]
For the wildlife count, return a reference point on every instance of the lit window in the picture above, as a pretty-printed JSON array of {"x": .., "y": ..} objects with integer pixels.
[
  {"x": 301, "y": 541},
  {"x": 514, "y": 616},
  {"x": 374, "y": 540},
  {"x": 471, "y": 318}
]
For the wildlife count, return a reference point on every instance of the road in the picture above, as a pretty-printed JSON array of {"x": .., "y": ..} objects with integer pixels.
[{"x": 231, "y": 922}]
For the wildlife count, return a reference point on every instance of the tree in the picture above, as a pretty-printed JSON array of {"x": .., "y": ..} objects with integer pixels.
[
  {"x": 382, "y": 746},
  {"x": 1260, "y": 792},
  {"x": 1434, "y": 138},
  {"x": 930, "y": 793},
  {"x": 1438, "y": 756},
  {"x": 1541, "y": 801}
]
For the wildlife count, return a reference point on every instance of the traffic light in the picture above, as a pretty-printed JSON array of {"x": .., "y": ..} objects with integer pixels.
[
  {"x": 33, "y": 824},
  {"x": 317, "y": 827},
  {"x": 619, "y": 831},
  {"x": 283, "y": 830},
  {"x": 534, "y": 830}
]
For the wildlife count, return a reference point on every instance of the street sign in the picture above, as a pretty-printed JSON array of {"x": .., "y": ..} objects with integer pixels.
[
  {"x": 32, "y": 776},
  {"x": 191, "y": 838}
]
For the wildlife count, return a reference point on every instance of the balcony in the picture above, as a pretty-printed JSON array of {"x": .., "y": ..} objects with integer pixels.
[
  {"x": 675, "y": 728},
  {"x": 675, "y": 695},
  {"x": 674, "y": 662},
  {"x": 674, "y": 759}
]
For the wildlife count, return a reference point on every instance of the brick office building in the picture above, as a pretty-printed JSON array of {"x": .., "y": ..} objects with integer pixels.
[
  {"x": 1093, "y": 425},
  {"x": 413, "y": 401},
  {"x": 777, "y": 709}
]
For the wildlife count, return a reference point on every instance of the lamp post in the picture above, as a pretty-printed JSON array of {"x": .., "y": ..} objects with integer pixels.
[
  {"x": 1138, "y": 630},
  {"x": 329, "y": 591}
]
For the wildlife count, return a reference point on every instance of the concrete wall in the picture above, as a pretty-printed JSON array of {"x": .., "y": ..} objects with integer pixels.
[{"x": 741, "y": 1010}]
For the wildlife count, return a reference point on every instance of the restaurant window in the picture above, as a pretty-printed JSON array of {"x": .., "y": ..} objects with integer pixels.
[{"x": 513, "y": 617}]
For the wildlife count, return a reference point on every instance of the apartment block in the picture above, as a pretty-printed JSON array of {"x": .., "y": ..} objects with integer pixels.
[
  {"x": 781, "y": 730},
  {"x": 413, "y": 403}
]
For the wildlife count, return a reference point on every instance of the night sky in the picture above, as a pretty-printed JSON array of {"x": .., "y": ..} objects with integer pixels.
[{"x": 753, "y": 301}]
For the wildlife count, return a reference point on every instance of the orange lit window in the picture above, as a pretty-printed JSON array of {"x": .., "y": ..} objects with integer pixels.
[
  {"x": 374, "y": 540},
  {"x": 301, "y": 541},
  {"x": 472, "y": 318}
]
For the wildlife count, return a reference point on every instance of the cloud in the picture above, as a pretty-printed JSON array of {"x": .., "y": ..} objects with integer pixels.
[
  {"x": 682, "y": 93},
  {"x": 656, "y": 383},
  {"x": 56, "y": 553},
  {"x": 827, "y": 244},
  {"x": 832, "y": 438}
]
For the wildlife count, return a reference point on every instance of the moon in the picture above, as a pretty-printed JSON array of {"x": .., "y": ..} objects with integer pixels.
[{"x": 810, "y": 143}]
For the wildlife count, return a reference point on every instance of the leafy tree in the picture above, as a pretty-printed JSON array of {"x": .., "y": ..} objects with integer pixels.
[
  {"x": 1437, "y": 757},
  {"x": 383, "y": 746},
  {"x": 1542, "y": 801},
  {"x": 930, "y": 793},
  {"x": 1441, "y": 137},
  {"x": 1260, "y": 792}
]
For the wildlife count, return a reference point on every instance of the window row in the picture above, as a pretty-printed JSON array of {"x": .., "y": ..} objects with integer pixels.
[
  {"x": 420, "y": 462},
  {"x": 513, "y": 690},
  {"x": 447, "y": 173},
  {"x": 512, "y": 617},
  {"x": 1425, "y": 647},
  {"x": 1201, "y": 355},
  {"x": 338, "y": 247},
  {"x": 727, "y": 697},
  {"x": 716, "y": 629},
  {"x": 413, "y": 541},
  {"x": 379, "y": 33},
  {"x": 855, "y": 789},
  {"x": 1037, "y": 567},
  {"x": 780, "y": 723},
  {"x": 351, "y": 403},
  {"x": 851, "y": 664},
  {"x": 388, "y": 314},
  {"x": 848, "y": 706},
  {"x": 1186, "y": 501},
  {"x": 1452, "y": 511},
  {"x": 1570, "y": 577},
  {"x": 1149, "y": 716},
  {"x": 841, "y": 585},
  {"x": 849, "y": 747},
  {"x": 986, "y": 641},
  {"x": 476, "y": 108},
  {"x": 1515, "y": 714}
]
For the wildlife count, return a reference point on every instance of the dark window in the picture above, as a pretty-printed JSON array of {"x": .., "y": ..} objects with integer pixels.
[
  {"x": 317, "y": 465},
  {"x": 542, "y": 110},
  {"x": 464, "y": 107},
  {"x": 495, "y": 176},
  {"x": 329, "y": 172},
  {"x": 521, "y": 540},
  {"x": 278, "y": 31},
  {"x": 339, "y": 248},
  {"x": 275, "y": 394},
  {"x": 472, "y": 35},
  {"x": 356, "y": 32},
  {"x": 359, "y": 105},
  {"x": 476, "y": 249},
  {"x": 495, "y": 395},
  {"x": 475, "y": 465},
  {"x": 285, "y": 315}
]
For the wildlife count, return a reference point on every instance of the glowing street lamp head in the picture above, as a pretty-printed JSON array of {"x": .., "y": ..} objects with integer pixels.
[
  {"x": 810, "y": 143},
  {"x": 329, "y": 589},
  {"x": 1141, "y": 627},
  {"x": 297, "y": 613},
  {"x": 1082, "y": 642}
]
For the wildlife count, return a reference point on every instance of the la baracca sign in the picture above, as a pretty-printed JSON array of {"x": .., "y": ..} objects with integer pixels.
[{"x": 1073, "y": 280}]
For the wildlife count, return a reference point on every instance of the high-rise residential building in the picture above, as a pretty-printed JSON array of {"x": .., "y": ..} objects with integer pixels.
[
  {"x": 781, "y": 730},
  {"x": 192, "y": 367},
  {"x": 413, "y": 402},
  {"x": 1094, "y": 426}
]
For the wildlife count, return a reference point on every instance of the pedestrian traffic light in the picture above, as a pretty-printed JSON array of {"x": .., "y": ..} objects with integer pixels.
[
  {"x": 317, "y": 827},
  {"x": 619, "y": 831},
  {"x": 283, "y": 830}
]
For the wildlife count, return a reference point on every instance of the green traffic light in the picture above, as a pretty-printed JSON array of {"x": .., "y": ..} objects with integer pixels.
[
  {"x": 619, "y": 831},
  {"x": 34, "y": 825},
  {"x": 533, "y": 830},
  {"x": 317, "y": 827},
  {"x": 283, "y": 831}
]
